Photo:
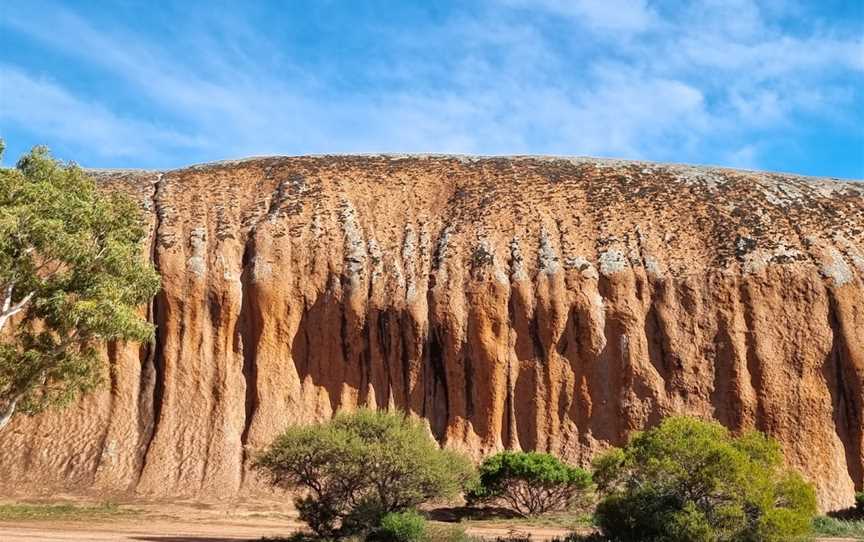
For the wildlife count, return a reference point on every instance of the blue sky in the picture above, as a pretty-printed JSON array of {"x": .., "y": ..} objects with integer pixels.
[{"x": 770, "y": 84}]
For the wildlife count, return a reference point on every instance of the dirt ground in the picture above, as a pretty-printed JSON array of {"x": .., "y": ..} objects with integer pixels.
[
  {"x": 195, "y": 522},
  {"x": 175, "y": 531},
  {"x": 178, "y": 531}
]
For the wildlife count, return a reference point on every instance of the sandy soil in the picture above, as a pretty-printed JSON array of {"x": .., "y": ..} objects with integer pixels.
[
  {"x": 195, "y": 522},
  {"x": 125, "y": 530},
  {"x": 176, "y": 531},
  {"x": 179, "y": 531}
]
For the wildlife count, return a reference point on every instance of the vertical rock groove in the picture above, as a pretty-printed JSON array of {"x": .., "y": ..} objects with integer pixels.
[
  {"x": 247, "y": 337},
  {"x": 152, "y": 388},
  {"x": 846, "y": 368}
]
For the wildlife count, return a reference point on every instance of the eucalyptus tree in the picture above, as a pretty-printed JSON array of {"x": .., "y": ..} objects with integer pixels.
[{"x": 72, "y": 276}]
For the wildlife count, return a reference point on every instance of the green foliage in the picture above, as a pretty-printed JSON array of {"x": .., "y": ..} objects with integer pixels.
[
  {"x": 531, "y": 483},
  {"x": 358, "y": 467},
  {"x": 859, "y": 502},
  {"x": 408, "y": 526},
  {"x": 689, "y": 480},
  {"x": 72, "y": 275}
]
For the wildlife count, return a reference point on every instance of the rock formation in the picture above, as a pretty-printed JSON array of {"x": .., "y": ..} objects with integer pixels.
[{"x": 534, "y": 303}]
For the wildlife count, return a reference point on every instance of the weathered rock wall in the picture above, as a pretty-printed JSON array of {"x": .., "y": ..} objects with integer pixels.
[{"x": 551, "y": 304}]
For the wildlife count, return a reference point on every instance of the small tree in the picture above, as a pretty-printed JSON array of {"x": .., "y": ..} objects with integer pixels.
[
  {"x": 72, "y": 276},
  {"x": 531, "y": 483},
  {"x": 690, "y": 480},
  {"x": 358, "y": 467}
]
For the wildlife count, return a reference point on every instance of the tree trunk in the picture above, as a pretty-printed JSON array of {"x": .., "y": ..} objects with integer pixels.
[
  {"x": 8, "y": 309},
  {"x": 7, "y": 412}
]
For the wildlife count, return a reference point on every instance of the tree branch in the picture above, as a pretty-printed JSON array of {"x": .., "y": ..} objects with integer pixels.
[
  {"x": 10, "y": 310},
  {"x": 8, "y": 410}
]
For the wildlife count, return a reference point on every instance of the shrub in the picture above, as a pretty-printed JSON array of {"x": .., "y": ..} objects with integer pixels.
[
  {"x": 408, "y": 526},
  {"x": 859, "y": 502},
  {"x": 531, "y": 483},
  {"x": 358, "y": 467},
  {"x": 689, "y": 480}
]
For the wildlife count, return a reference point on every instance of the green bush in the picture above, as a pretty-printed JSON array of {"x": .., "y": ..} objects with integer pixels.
[
  {"x": 690, "y": 480},
  {"x": 531, "y": 483},
  {"x": 408, "y": 526},
  {"x": 358, "y": 467},
  {"x": 859, "y": 502}
]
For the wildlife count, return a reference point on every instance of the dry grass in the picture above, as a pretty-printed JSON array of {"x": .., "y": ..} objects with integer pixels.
[{"x": 62, "y": 512}]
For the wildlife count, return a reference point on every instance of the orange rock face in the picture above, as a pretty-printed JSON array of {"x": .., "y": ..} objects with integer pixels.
[{"x": 528, "y": 303}]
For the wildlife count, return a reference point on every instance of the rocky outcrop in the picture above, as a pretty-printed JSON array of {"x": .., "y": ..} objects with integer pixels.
[{"x": 533, "y": 303}]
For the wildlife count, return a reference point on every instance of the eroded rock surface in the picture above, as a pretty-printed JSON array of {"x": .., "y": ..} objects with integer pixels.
[{"x": 533, "y": 303}]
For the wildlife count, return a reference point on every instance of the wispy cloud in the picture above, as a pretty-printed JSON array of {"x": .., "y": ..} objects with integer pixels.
[
  {"x": 607, "y": 15},
  {"x": 628, "y": 78},
  {"x": 46, "y": 108}
]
